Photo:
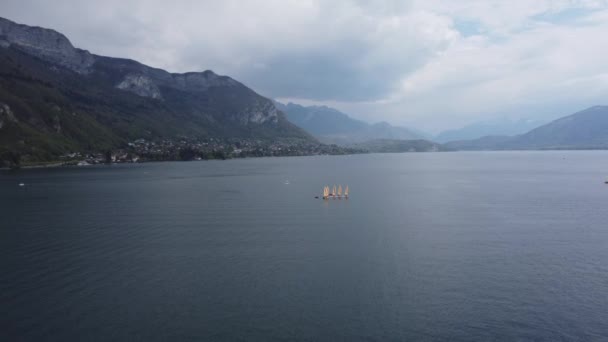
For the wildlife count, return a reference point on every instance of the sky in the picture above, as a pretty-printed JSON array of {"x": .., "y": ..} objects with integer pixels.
[{"x": 429, "y": 64}]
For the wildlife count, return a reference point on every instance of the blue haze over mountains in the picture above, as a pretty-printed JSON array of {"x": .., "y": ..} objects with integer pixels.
[
  {"x": 476, "y": 130},
  {"x": 329, "y": 125},
  {"x": 333, "y": 126},
  {"x": 586, "y": 129}
]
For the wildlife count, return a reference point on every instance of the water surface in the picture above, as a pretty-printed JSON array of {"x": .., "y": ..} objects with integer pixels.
[{"x": 432, "y": 247}]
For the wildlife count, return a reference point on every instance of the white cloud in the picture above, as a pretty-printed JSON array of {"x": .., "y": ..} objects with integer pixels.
[{"x": 533, "y": 72}]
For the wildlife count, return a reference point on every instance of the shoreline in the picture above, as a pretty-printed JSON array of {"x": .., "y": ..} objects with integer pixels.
[{"x": 56, "y": 164}]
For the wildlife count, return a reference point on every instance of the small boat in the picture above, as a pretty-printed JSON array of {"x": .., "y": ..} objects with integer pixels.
[{"x": 21, "y": 184}]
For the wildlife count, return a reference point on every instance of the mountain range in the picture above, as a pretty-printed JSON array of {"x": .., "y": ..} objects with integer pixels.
[
  {"x": 587, "y": 129},
  {"x": 331, "y": 126},
  {"x": 56, "y": 98}
]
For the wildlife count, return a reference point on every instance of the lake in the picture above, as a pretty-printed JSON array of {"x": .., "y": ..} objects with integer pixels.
[{"x": 478, "y": 246}]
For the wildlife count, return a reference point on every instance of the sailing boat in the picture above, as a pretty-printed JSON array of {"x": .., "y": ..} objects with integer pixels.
[
  {"x": 335, "y": 193},
  {"x": 326, "y": 192}
]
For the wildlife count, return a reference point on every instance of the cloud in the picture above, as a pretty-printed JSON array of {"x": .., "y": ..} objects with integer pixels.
[
  {"x": 544, "y": 70},
  {"x": 324, "y": 50},
  {"x": 432, "y": 63}
]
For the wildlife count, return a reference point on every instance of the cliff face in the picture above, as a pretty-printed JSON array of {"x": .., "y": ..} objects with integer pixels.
[
  {"x": 63, "y": 98},
  {"x": 45, "y": 44},
  {"x": 6, "y": 115},
  {"x": 148, "y": 82},
  {"x": 140, "y": 85}
]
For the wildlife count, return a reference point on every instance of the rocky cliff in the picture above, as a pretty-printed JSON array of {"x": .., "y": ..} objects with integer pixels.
[{"x": 46, "y": 44}]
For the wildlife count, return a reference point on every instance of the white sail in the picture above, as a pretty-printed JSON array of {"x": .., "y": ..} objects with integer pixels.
[
  {"x": 346, "y": 191},
  {"x": 334, "y": 191},
  {"x": 339, "y": 190}
]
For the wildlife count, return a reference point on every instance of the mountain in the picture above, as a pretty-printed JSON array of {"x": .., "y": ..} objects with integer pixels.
[
  {"x": 581, "y": 130},
  {"x": 587, "y": 129},
  {"x": 321, "y": 120},
  {"x": 499, "y": 127},
  {"x": 55, "y": 99},
  {"x": 397, "y": 146},
  {"x": 332, "y": 126}
]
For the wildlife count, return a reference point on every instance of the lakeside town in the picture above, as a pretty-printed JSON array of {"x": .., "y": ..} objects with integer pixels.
[{"x": 142, "y": 150}]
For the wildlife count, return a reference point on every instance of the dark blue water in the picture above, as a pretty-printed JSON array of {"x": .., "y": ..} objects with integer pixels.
[{"x": 508, "y": 246}]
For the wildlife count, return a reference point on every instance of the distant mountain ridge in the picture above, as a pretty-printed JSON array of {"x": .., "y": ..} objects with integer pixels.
[
  {"x": 399, "y": 146},
  {"x": 489, "y": 128},
  {"x": 332, "y": 126},
  {"x": 55, "y": 98},
  {"x": 587, "y": 129}
]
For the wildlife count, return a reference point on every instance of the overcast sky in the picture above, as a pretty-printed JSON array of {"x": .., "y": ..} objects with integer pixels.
[{"x": 430, "y": 64}]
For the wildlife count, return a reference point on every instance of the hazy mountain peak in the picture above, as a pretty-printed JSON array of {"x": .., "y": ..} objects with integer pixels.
[
  {"x": 332, "y": 126},
  {"x": 382, "y": 124},
  {"x": 498, "y": 127},
  {"x": 586, "y": 129}
]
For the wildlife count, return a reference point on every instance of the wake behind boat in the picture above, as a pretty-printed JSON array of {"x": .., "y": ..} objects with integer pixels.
[{"x": 335, "y": 193}]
